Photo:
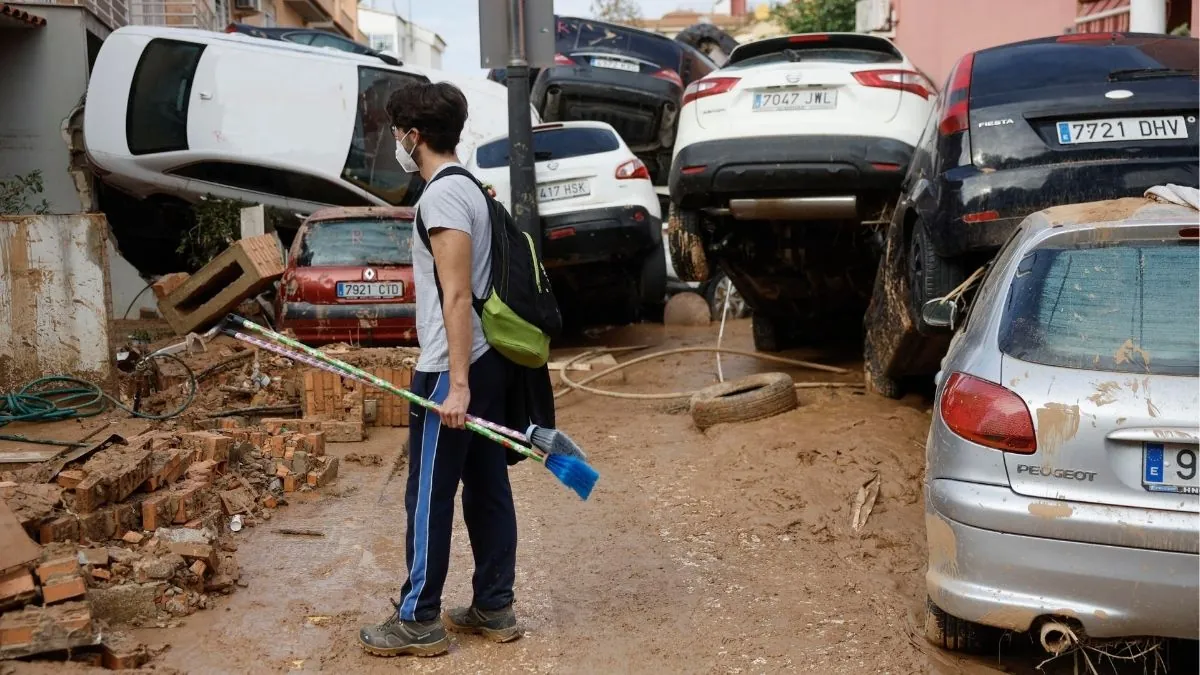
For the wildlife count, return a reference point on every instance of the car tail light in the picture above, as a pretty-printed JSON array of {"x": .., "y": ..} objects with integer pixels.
[
  {"x": 560, "y": 233},
  {"x": 988, "y": 414},
  {"x": 230, "y": 28},
  {"x": 670, "y": 76},
  {"x": 633, "y": 169},
  {"x": 710, "y": 86},
  {"x": 954, "y": 109},
  {"x": 981, "y": 217},
  {"x": 563, "y": 60},
  {"x": 902, "y": 80},
  {"x": 693, "y": 169},
  {"x": 1189, "y": 233}
]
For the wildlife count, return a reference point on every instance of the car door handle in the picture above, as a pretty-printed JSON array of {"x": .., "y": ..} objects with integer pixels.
[{"x": 205, "y": 96}]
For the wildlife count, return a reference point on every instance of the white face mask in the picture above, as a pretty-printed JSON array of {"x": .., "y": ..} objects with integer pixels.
[{"x": 404, "y": 157}]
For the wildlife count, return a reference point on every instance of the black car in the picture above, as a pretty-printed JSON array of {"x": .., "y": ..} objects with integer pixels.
[
  {"x": 312, "y": 37},
  {"x": 629, "y": 78},
  {"x": 1020, "y": 128}
]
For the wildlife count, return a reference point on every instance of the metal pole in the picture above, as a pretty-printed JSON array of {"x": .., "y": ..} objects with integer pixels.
[{"x": 520, "y": 129}]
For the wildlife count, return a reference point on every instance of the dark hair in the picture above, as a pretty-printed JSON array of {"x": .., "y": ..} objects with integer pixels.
[{"x": 437, "y": 110}]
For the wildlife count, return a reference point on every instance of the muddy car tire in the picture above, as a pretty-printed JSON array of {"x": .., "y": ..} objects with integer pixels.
[
  {"x": 766, "y": 332},
  {"x": 929, "y": 275},
  {"x": 952, "y": 633},
  {"x": 687, "y": 247},
  {"x": 744, "y": 400},
  {"x": 878, "y": 382}
]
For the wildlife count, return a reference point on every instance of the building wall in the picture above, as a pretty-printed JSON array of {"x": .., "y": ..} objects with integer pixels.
[
  {"x": 935, "y": 33},
  {"x": 389, "y": 33},
  {"x": 44, "y": 78},
  {"x": 54, "y": 300}
]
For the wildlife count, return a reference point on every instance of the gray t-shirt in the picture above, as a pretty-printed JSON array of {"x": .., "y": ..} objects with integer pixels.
[{"x": 452, "y": 203}]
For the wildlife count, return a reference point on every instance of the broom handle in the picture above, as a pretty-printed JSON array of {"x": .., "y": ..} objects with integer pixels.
[
  {"x": 315, "y": 355},
  {"x": 335, "y": 366}
]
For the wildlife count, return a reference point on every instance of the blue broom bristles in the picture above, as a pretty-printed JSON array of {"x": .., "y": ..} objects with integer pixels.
[
  {"x": 574, "y": 473},
  {"x": 554, "y": 442}
]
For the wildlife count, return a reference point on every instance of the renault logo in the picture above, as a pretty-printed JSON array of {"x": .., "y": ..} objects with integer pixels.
[{"x": 368, "y": 274}]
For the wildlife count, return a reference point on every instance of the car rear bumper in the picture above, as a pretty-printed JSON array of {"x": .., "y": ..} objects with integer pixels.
[
  {"x": 1010, "y": 580},
  {"x": 1015, "y": 193},
  {"x": 373, "y": 323},
  {"x": 643, "y": 109},
  {"x": 600, "y": 235},
  {"x": 712, "y": 173}
]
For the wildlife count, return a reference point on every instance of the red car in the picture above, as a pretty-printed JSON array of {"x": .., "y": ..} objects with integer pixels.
[{"x": 349, "y": 278}]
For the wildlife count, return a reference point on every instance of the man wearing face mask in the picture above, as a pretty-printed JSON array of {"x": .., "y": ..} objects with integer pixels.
[{"x": 459, "y": 371}]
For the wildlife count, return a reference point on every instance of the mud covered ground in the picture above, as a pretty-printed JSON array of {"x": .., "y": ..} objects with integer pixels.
[{"x": 724, "y": 552}]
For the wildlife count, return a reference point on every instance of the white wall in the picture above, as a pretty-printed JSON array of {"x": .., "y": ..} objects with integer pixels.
[
  {"x": 54, "y": 299},
  {"x": 424, "y": 49}
]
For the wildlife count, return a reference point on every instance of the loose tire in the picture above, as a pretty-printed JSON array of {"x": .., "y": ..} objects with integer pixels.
[
  {"x": 744, "y": 400},
  {"x": 930, "y": 275},
  {"x": 952, "y": 633}
]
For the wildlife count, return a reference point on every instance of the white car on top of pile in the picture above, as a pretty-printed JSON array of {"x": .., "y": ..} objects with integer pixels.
[
  {"x": 814, "y": 127},
  {"x": 600, "y": 215},
  {"x": 186, "y": 113}
]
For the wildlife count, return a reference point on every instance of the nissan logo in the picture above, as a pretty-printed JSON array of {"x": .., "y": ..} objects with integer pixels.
[
  {"x": 794, "y": 77},
  {"x": 552, "y": 166}
]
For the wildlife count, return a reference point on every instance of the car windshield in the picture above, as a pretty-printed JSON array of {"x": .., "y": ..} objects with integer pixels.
[
  {"x": 577, "y": 35},
  {"x": 371, "y": 163},
  {"x": 356, "y": 242},
  {"x": 548, "y": 144},
  {"x": 837, "y": 55},
  {"x": 1129, "y": 307},
  {"x": 1048, "y": 65},
  {"x": 159, "y": 96}
]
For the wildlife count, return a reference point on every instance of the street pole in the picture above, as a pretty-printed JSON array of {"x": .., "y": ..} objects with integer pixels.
[{"x": 520, "y": 129}]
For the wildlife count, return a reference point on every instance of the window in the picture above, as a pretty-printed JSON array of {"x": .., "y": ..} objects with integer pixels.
[
  {"x": 156, "y": 119},
  {"x": 299, "y": 38},
  {"x": 371, "y": 164},
  {"x": 1131, "y": 307},
  {"x": 382, "y": 42},
  {"x": 281, "y": 182},
  {"x": 561, "y": 143},
  {"x": 335, "y": 42},
  {"x": 574, "y": 35},
  {"x": 356, "y": 242}
]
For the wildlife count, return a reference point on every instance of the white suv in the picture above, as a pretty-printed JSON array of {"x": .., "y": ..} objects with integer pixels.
[
  {"x": 602, "y": 237},
  {"x": 815, "y": 127}
]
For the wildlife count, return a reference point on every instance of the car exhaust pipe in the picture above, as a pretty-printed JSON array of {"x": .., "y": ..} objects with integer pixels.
[
  {"x": 1057, "y": 637},
  {"x": 795, "y": 208}
]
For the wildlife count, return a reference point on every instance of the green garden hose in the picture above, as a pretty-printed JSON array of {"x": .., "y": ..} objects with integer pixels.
[{"x": 59, "y": 397}]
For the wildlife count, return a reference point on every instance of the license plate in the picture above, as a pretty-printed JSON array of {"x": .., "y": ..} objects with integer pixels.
[
  {"x": 1170, "y": 467},
  {"x": 1122, "y": 129},
  {"x": 617, "y": 64},
  {"x": 370, "y": 289},
  {"x": 798, "y": 99},
  {"x": 565, "y": 190}
]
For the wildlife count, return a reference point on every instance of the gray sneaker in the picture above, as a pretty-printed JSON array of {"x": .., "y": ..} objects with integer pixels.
[
  {"x": 395, "y": 637},
  {"x": 499, "y": 625}
]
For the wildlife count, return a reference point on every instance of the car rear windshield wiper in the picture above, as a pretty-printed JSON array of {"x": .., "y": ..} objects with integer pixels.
[{"x": 1148, "y": 74}]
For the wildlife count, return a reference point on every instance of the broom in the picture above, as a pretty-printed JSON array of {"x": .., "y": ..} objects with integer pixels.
[{"x": 561, "y": 456}]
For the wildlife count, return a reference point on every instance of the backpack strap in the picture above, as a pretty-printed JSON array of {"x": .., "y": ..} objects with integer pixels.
[{"x": 423, "y": 232}]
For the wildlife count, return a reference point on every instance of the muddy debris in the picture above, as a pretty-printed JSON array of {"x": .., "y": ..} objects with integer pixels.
[{"x": 369, "y": 459}]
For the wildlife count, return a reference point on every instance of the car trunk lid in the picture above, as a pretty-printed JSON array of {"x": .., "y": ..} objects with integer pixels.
[{"x": 353, "y": 261}]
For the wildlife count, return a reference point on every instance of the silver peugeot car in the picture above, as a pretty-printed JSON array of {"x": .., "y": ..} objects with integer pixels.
[{"x": 1062, "y": 478}]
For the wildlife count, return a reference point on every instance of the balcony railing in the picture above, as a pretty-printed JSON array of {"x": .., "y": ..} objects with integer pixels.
[
  {"x": 111, "y": 13},
  {"x": 203, "y": 14}
]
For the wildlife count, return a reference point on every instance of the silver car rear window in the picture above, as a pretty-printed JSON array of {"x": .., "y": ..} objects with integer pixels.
[{"x": 1127, "y": 307}]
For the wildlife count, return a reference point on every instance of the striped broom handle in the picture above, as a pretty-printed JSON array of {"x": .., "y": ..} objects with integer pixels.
[{"x": 493, "y": 432}]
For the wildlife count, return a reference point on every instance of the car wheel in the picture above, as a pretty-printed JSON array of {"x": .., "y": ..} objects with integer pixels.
[
  {"x": 952, "y": 633},
  {"x": 930, "y": 275},
  {"x": 716, "y": 290},
  {"x": 687, "y": 247},
  {"x": 766, "y": 331}
]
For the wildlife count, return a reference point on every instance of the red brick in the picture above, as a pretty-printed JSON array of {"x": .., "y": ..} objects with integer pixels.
[
  {"x": 281, "y": 470},
  {"x": 134, "y": 537},
  {"x": 123, "y": 653},
  {"x": 112, "y": 475},
  {"x": 327, "y": 471},
  {"x": 99, "y": 526},
  {"x": 40, "y": 629},
  {"x": 188, "y": 497},
  {"x": 58, "y": 567},
  {"x": 290, "y": 483},
  {"x": 63, "y": 588},
  {"x": 65, "y": 528},
  {"x": 94, "y": 556},
  {"x": 337, "y": 431},
  {"x": 197, "y": 552},
  {"x": 101, "y": 574},
  {"x": 168, "y": 283},
  {"x": 16, "y": 588},
  {"x": 158, "y": 511},
  {"x": 270, "y": 502},
  {"x": 203, "y": 472},
  {"x": 275, "y": 445},
  {"x": 315, "y": 443},
  {"x": 288, "y": 455},
  {"x": 276, "y": 425},
  {"x": 166, "y": 466},
  {"x": 70, "y": 478},
  {"x": 209, "y": 445},
  {"x": 258, "y": 439},
  {"x": 230, "y": 423},
  {"x": 311, "y": 478},
  {"x": 199, "y": 568}
]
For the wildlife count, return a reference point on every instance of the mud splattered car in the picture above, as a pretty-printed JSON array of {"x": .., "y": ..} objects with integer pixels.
[{"x": 349, "y": 278}]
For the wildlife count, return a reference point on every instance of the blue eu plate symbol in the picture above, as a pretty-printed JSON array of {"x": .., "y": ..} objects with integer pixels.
[
  {"x": 1064, "y": 132},
  {"x": 1154, "y": 463}
]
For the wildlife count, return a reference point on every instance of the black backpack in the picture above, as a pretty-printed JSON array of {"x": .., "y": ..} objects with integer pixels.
[{"x": 519, "y": 315}]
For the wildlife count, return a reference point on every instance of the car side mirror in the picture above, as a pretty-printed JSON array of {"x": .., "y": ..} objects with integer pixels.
[{"x": 940, "y": 313}]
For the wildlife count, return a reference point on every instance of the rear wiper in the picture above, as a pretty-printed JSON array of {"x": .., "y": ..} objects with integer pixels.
[{"x": 1148, "y": 74}]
